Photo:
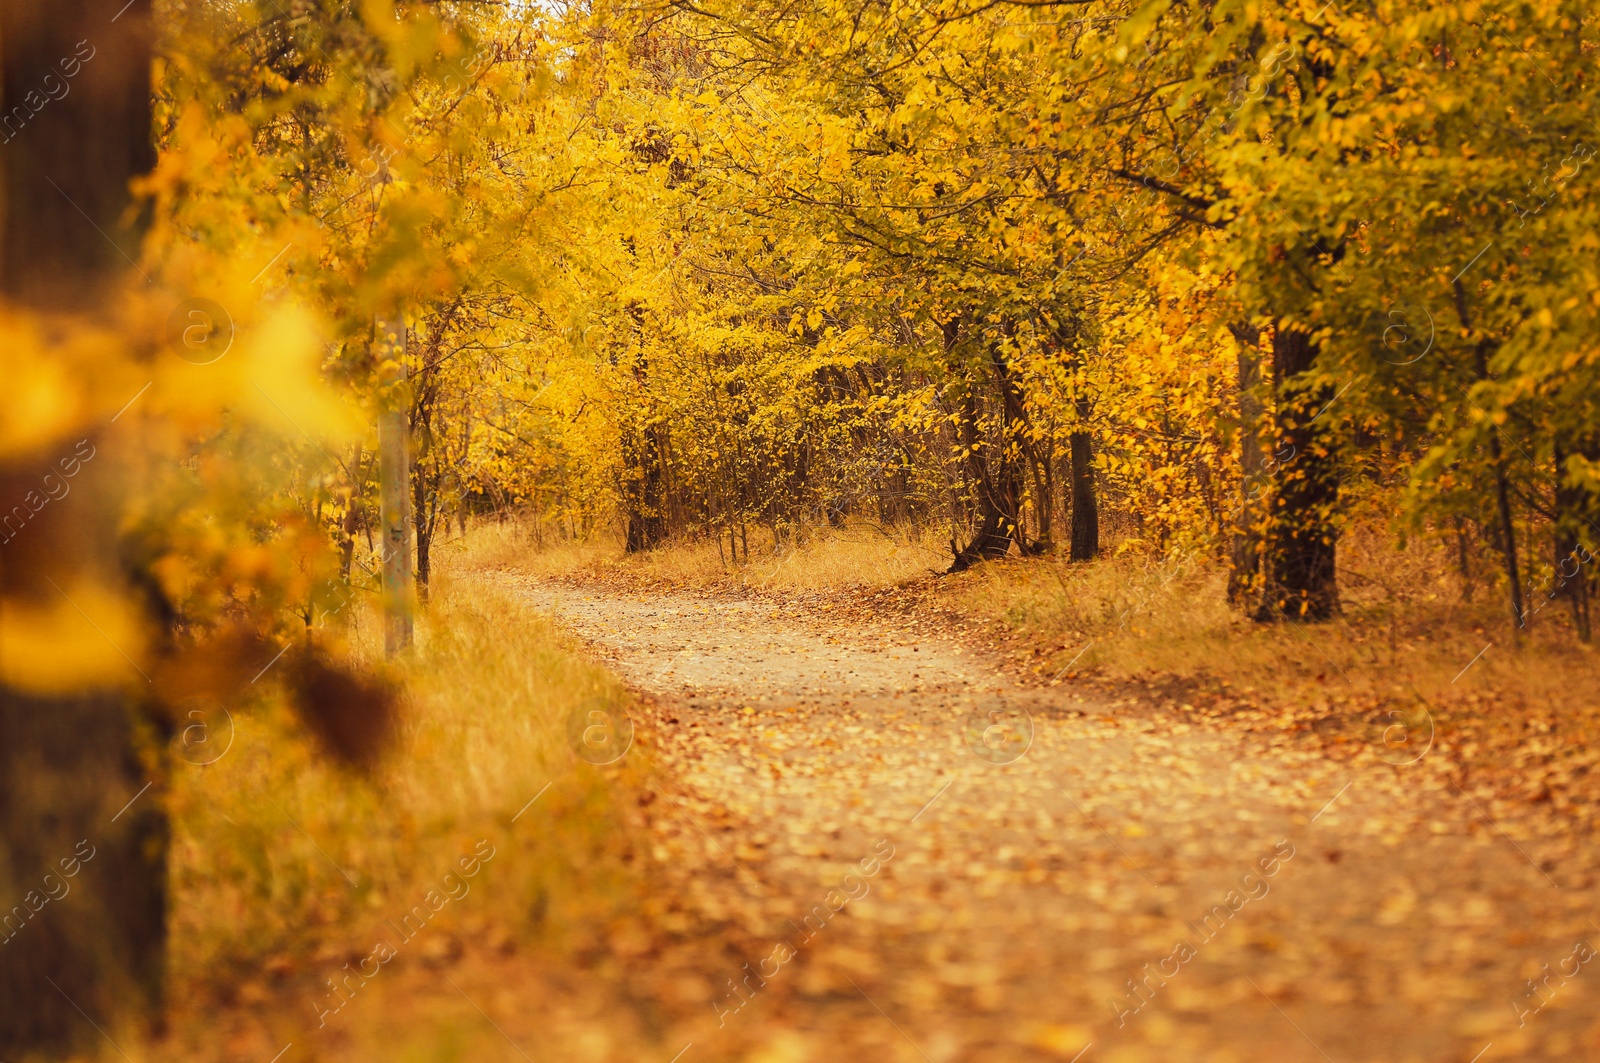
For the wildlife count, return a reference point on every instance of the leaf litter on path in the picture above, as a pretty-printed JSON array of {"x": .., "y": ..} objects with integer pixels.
[{"x": 892, "y": 845}]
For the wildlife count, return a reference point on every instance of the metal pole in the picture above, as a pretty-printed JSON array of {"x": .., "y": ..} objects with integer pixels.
[{"x": 394, "y": 475}]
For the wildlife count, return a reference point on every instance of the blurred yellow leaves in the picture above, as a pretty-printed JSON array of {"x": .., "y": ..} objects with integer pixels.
[
  {"x": 84, "y": 636},
  {"x": 154, "y": 382},
  {"x": 1064, "y": 1040},
  {"x": 277, "y": 378},
  {"x": 46, "y": 404},
  {"x": 56, "y": 374}
]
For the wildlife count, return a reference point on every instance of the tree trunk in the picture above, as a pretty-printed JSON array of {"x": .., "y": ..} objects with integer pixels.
[
  {"x": 352, "y": 517},
  {"x": 1085, "y": 510},
  {"x": 394, "y": 477},
  {"x": 1507, "y": 532},
  {"x": 1245, "y": 553},
  {"x": 1083, "y": 514},
  {"x": 424, "y": 505},
  {"x": 67, "y": 167},
  {"x": 1301, "y": 581},
  {"x": 993, "y": 473},
  {"x": 1006, "y": 470},
  {"x": 1507, "y": 529},
  {"x": 1044, "y": 493},
  {"x": 1019, "y": 450},
  {"x": 642, "y": 493},
  {"x": 82, "y": 842},
  {"x": 1577, "y": 535},
  {"x": 424, "y": 564},
  {"x": 1464, "y": 558},
  {"x": 429, "y": 443},
  {"x": 427, "y": 503}
]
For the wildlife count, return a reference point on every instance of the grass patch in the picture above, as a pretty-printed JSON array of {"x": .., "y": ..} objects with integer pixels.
[
  {"x": 1406, "y": 624},
  {"x": 288, "y": 872},
  {"x": 823, "y": 561}
]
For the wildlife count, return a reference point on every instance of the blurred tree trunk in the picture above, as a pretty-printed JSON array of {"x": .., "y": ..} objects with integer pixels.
[
  {"x": 989, "y": 538},
  {"x": 1298, "y": 560},
  {"x": 82, "y": 845},
  {"x": 394, "y": 475}
]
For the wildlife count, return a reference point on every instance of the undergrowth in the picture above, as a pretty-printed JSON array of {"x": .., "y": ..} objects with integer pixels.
[{"x": 288, "y": 872}]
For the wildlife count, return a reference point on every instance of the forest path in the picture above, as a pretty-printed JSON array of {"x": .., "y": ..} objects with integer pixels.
[{"x": 1130, "y": 885}]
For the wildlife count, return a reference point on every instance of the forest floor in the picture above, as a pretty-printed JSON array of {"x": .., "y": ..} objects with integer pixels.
[
  {"x": 1034, "y": 812},
  {"x": 926, "y": 848}
]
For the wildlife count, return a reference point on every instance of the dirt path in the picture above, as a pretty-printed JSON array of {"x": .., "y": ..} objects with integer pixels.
[{"x": 921, "y": 859}]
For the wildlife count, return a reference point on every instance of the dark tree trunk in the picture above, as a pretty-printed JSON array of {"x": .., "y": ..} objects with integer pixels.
[
  {"x": 424, "y": 485},
  {"x": 424, "y": 550},
  {"x": 643, "y": 494},
  {"x": 430, "y": 458},
  {"x": 1006, "y": 468},
  {"x": 991, "y": 537},
  {"x": 82, "y": 843},
  {"x": 1507, "y": 529},
  {"x": 1019, "y": 450},
  {"x": 1577, "y": 535},
  {"x": 85, "y": 879},
  {"x": 1301, "y": 581},
  {"x": 1243, "y": 579},
  {"x": 460, "y": 499},
  {"x": 68, "y": 161},
  {"x": 426, "y": 507},
  {"x": 1085, "y": 510},
  {"x": 993, "y": 472},
  {"x": 352, "y": 517},
  {"x": 1464, "y": 558},
  {"x": 1044, "y": 493}
]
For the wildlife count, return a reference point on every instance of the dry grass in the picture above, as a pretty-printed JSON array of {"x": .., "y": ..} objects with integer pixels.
[
  {"x": 286, "y": 868},
  {"x": 827, "y": 560},
  {"x": 1405, "y": 625}
]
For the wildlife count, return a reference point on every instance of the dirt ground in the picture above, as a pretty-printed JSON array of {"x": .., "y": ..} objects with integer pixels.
[{"x": 888, "y": 843}]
